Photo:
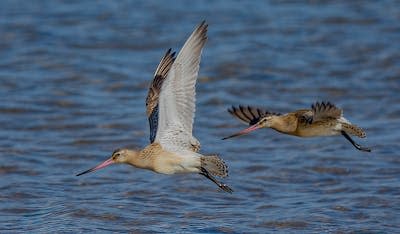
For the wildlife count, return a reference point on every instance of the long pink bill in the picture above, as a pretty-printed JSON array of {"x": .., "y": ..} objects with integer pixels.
[
  {"x": 102, "y": 165},
  {"x": 245, "y": 131}
]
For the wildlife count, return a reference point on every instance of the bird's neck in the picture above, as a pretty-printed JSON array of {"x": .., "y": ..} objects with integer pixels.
[
  {"x": 133, "y": 158},
  {"x": 284, "y": 123},
  {"x": 144, "y": 158}
]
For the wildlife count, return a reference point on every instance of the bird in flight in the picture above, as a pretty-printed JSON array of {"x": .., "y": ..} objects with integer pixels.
[
  {"x": 323, "y": 119},
  {"x": 170, "y": 108}
]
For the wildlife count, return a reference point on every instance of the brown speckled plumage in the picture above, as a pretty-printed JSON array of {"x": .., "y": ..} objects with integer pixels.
[
  {"x": 170, "y": 107},
  {"x": 323, "y": 119},
  {"x": 214, "y": 165},
  {"x": 159, "y": 77}
]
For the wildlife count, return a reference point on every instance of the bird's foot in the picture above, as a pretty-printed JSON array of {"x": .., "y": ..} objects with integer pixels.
[
  {"x": 225, "y": 187},
  {"x": 361, "y": 148}
]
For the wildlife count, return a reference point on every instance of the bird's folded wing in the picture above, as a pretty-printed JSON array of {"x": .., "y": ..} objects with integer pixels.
[
  {"x": 325, "y": 110},
  {"x": 177, "y": 97}
]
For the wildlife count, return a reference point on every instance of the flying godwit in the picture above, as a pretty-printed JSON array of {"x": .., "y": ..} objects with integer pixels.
[
  {"x": 323, "y": 119},
  {"x": 170, "y": 108}
]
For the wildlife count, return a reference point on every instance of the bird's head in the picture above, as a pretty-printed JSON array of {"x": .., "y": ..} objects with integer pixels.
[
  {"x": 118, "y": 156},
  {"x": 264, "y": 122}
]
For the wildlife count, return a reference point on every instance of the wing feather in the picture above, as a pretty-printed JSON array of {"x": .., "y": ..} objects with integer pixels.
[
  {"x": 177, "y": 96},
  {"x": 325, "y": 110},
  {"x": 250, "y": 115},
  {"x": 154, "y": 91}
]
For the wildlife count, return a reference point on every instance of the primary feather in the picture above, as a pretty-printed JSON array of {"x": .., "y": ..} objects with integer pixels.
[
  {"x": 153, "y": 94},
  {"x": 177, "y": 96}
]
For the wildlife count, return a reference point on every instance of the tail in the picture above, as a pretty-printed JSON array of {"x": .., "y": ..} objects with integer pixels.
[
  {"x": 214, "y": 165},
  {"x": 353, "y": 130}
]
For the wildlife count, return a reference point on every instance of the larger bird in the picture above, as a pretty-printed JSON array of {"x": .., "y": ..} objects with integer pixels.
[
  {"x": 323, "y": 119},
  {"x": 170, "y": 110}
]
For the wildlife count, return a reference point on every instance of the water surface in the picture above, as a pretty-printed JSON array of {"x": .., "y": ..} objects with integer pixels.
[{"x": 74, "y": 77}]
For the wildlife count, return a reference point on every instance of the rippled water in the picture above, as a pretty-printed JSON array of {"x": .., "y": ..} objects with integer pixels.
[{"x": 74, "y": 77}]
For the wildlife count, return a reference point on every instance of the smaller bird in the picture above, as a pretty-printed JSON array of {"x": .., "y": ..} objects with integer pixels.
[{"x": 323, "y": 119}]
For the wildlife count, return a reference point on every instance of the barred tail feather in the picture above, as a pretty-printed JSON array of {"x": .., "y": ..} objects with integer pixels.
[
  {"x": 353, "y": 130},
  {"x": 214, "y": 165}
]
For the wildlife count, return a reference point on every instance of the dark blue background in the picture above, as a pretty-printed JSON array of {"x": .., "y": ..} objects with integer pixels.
[{"x": 73, "y": 81}]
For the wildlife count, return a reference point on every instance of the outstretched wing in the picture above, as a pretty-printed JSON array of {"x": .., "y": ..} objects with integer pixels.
[
  {"x": 177, "y": 97},
  {"x": 154, "y": 91},
  {"x": 250, "y": 115},
  {"x": 323, "y": 111}
]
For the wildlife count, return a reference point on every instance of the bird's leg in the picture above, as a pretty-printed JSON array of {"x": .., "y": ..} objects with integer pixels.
[
  {"x": 224, "y": 187},
  {"x": 355, "y": 144}
]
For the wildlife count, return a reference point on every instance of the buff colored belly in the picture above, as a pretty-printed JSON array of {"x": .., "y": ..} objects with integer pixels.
[
  {"x": 314, "y": 131},
  {"x": 171, "y": 163}
]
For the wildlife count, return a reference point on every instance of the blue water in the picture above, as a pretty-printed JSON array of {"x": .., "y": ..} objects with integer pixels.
[{"x": 74, "y": 77}]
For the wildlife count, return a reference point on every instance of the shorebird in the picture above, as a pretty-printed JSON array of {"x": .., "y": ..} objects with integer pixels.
[
  {"x": 323, "y": 119},
  {"x": 170, "y": 108}
]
